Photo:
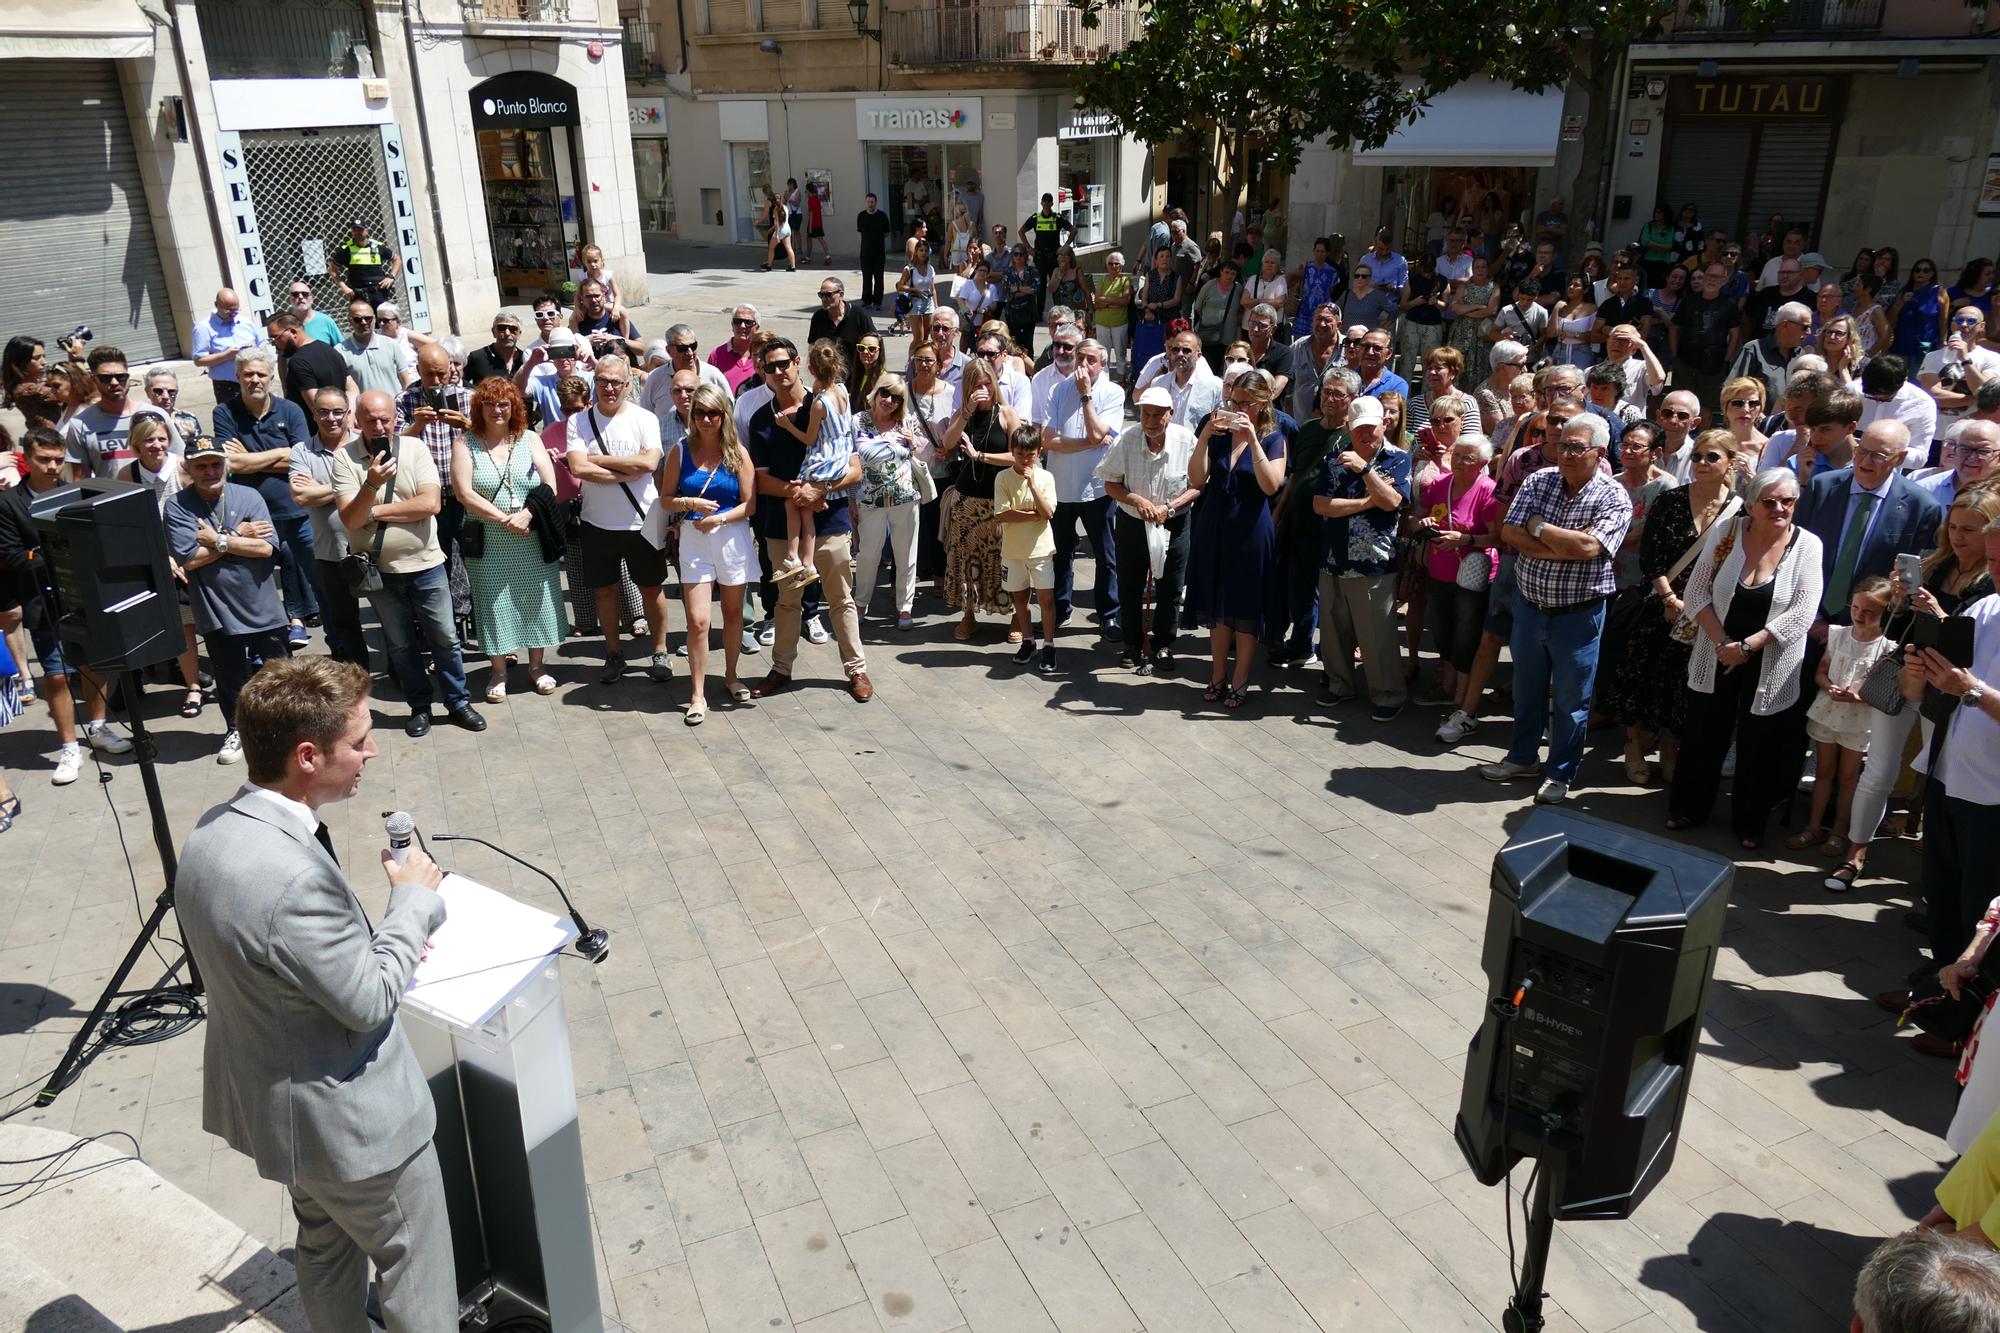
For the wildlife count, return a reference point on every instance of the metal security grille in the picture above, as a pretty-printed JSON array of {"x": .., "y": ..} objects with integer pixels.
[{"x": 307, "y": 186}]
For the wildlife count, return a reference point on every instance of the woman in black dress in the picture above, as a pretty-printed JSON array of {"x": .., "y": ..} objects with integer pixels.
[{"x": 1649, "y": 690}]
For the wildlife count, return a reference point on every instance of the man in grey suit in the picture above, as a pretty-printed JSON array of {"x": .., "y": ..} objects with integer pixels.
[{"x": 307, "y": 1071}]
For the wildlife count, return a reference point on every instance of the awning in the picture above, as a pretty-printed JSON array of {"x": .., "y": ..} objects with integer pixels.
[
  {"x": 74, "y": 30},
  {"x": 1477, "y": 123}
]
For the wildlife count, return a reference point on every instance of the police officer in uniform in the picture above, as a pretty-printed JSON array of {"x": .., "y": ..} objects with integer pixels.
[
  {"x": 1047, "y": 230},
  {"x": 368, "y": 266}
]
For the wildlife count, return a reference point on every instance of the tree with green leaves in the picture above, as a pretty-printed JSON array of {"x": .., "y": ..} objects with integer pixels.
[{"x": 1270, "y": 77}]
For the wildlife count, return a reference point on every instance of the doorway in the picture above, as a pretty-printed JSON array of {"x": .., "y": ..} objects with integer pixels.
[
  {"x": 749, "y": 188},
  {"x": 913, "y": 181}
]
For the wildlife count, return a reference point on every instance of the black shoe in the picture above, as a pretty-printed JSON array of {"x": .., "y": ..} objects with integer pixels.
[
  {"x": 466, "y": 716},
  {"x": 313, "y": 621},
  {"x": 1387, "y": 712},
  {"x": 1128, "y": 658},
  {"x": 419, "y": 725},
  {"x": 1163, "y": 661},
  {"x": 1025, "y": 653},
  {"x": 1048, "y": 659},
  {"x": 614, "y": 667}
]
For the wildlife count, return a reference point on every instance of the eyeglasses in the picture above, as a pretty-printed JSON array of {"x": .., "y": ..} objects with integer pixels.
[
  {"x": 774, "y": 367},
  {"x": 1710, "y": 457},
  {"x": 742, "y": 323},
  {"x": 1779, "y": 501},
  {"x": 1676, "y": 414},
  {"x": 828, "y": 296},
  {"x": 1980, "y": 452},
  {"x": 1752, "y": 403},
  {"x": 925, "y": 363},
  {"x": 707, "y": 414},
  {"x": 114, "y": 379},
  {"x": 610, "y": 386},
  {"x": 1876, "y": 455},
  {"x": 330, "y": 413},
  {"x": 1571, "y": 450}
]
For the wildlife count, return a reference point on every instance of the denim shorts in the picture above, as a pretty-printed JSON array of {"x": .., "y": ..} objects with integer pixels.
[
  {"x": 42, "y": 633},
  {"x": 1500, "y": 603}
]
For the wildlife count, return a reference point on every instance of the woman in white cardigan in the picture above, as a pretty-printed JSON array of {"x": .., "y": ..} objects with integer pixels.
[{"x": 1753, "y": 594}]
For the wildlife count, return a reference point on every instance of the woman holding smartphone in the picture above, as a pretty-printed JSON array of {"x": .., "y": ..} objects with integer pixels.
[{"x": 1240, "y": 466}]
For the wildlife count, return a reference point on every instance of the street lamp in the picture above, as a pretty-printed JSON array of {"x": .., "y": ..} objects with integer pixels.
[{"x": 857, "y": 10}]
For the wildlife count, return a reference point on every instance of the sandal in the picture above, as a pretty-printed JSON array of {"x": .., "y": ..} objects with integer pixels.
[
  {"x": 1835, "y": 845},
  {"x": 1013, "y": 636},
  {"x": 697, "y": 713},
  {"x": 191, "y": 706},
  {"x": 1235, "y": 698},
  {"x": 1216, "y": 689},
  {"x": 11, "y": 806},
  {"x": 1804, "y": 838},
  {"x": 545, "y": 684},
  {"x": 737, "y": 693},
  {"x": 496, "y": 694},
  {"x": 1842, "y": 878},
  {"x": 1637, "y": 771}
]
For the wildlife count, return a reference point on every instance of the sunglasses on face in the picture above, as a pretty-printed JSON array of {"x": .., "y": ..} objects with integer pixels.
[
  {"x": 499, "y": 329},
  {"x": 707, "y": 414},
  {"x": 689, "y": 348},
  {"x": 1779, "y": 501},
  {"x": 361, "y": 319},
  {"x": 889, "y": 395},
  {"x": 1711, "y": 457},
  {"x": 300, "y": 292},
  {"x": 1964, "y": 321},
  {"x": 1751, "y": 403},
  {"x": 544, "y": 316},
  {"x": 777, "y": 367},
  {"x": 611, "y": 386},
  {"x": 1062, "y": 347},
  {"x": 114, "y": 379},
  {"x": 744, "y": 323}
]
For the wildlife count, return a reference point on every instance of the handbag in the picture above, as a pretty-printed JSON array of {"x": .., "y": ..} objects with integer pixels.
[
  {"x": 951, "y": 469},
  {"x": 1684, "y": 629},
  {"x": 472, "y": 540},
  {"x": 1882, "y": 689},
  {"x": 363, "y": 571},
  {"x": 1475, "y": 570}
]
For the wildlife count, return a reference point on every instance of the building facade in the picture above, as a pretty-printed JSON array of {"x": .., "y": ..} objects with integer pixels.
[
  {"x": 232, "y": 143},
  {"x": 934, "y": 103}
]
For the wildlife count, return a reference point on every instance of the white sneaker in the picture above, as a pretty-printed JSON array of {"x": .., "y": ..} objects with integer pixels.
[
  {"x": 232, "y": 749},
  {"x": 1457, "y": 727},
  {"x": 105, "y": 738},
  {"x": 1552, "y": 792},
  {"x": 1506, "y": 771},
  {"x": 767, "y": 633},
  {"x": 69, "y": 764},
  {"x": 816, "y": 631},
  {"x": 750, "y": 645}
]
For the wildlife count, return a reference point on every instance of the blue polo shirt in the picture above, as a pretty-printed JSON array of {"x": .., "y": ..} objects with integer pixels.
[{"x": 281, "y": 427}]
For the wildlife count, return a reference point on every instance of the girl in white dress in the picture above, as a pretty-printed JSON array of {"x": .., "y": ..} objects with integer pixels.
[{"x": 1838, "y": 719}]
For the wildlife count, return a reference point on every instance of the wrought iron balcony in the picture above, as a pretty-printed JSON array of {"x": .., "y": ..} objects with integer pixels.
[
  {"x": 498, "y": 16},
  {"x": 641, "y": 45},
  {"x": 980, "y": 34},
  {"x": 1796, "y": 19}
]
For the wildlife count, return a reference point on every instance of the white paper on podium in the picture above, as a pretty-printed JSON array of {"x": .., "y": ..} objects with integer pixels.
[{"x": 488, "y": 948}]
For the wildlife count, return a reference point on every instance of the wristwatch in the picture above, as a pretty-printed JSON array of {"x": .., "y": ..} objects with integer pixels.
[
  {"x": 1535, "y": 526},
  {"x": 1972, "y": 696},
  {"x": 222, "y": 543}
]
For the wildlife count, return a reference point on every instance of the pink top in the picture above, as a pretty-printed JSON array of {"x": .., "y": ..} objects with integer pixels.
[
  {"x": 555, "y": 438},
  {"x": 1472, "y": 512},
  {"x": 735, "y": 366}
]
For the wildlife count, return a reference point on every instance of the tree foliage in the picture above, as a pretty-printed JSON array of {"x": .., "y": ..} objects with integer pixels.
[{"x": 1285, "y": 74}]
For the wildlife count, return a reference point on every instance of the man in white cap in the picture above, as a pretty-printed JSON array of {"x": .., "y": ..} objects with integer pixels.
[
  {"x": 1358, "y": 493},
  {"x": 1145, "y": 471}
]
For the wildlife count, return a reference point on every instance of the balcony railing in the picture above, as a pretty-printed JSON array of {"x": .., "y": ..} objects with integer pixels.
[
  {"x": 641, "y": 44},
  {"x": 952, "y": 34},
  {"x": 490, "y": 15},
  {"x": 272, "y": 39},
  {"x": 1796, "y": 18}
]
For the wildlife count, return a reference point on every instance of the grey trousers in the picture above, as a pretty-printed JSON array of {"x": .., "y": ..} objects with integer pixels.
[
  {"x": 1360, "y": 611},
  {"x": 395, "y": 1221}
]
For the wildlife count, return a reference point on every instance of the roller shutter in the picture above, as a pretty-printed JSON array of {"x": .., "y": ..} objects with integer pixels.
[
  {"x": 1707, "y": 161},
  {"x": 76, "y": 241},
  {"x": 1790, "y": 177}
]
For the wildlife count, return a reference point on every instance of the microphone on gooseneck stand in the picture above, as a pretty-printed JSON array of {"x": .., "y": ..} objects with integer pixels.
[
  {"x": 593, "y": 943},
  {"x": 401, "y": 830}
]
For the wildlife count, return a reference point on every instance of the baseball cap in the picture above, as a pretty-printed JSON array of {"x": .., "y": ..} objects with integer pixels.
[
  {"x": 204, "y": 446},
  {"x": 656, "y": 350},
  {"x": 1155, "y": 396},
  {"x": 1507, "y": 352},
  {"x": 1812, "y": 259},
  {"x": 1364, "y": 411}
]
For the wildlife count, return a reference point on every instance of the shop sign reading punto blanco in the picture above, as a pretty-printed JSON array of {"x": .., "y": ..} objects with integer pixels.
[{"x": 919, "y": 119}]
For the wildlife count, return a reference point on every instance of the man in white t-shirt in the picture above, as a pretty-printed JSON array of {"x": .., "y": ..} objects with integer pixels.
[
  {"x": 1086, "y": 412},
  {"x": 1062, "y": 366},
  {"x": 614, "y": 451},
  {"x": 1888, "y": 391},
  {"x": 1953, "y": 373},
  {"x": 95, "y": 439},
  {"x": 683, "y": 353}
]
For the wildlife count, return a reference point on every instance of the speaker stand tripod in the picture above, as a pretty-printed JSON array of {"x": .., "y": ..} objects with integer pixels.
[
  {"x": 1524, "y": 1312},
  {"x": 139, "y": 1005}
]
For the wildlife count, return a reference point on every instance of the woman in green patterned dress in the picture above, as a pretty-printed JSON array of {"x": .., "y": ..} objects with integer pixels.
[{"x": 516, "y": 593}]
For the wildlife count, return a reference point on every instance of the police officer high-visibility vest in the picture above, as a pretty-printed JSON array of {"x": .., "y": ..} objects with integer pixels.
[
  {"x": 1048, "y": 235},
  {"x": 367, "y": 261}
]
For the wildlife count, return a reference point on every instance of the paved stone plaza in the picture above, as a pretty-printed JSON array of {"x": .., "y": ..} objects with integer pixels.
[{"x": 1016, "y": 1003}]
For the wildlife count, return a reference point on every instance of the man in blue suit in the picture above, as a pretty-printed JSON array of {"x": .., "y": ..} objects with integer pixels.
[{"x": 1864, "y": 516}]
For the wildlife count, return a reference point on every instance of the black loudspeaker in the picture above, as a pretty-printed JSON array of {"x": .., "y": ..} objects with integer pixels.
[
  {"x": 113, "y": 600},
  {"x": 1600, "y": 943}
]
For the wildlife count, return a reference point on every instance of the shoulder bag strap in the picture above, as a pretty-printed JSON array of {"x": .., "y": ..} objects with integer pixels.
[
  {"x": 590, "y": 415},
  {"x": 1687, "y": 556}
]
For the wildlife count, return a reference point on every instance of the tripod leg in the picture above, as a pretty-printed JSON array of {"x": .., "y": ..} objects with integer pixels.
[
  {"x": 67, "y": 1069},
  {"x": 1524, "y": 1312}
]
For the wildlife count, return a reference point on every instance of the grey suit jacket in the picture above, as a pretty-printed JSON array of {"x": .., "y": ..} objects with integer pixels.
[{"x": 307, "y": 1071}]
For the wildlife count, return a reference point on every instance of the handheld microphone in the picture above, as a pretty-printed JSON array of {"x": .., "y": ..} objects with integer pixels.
[{"x": 401, "y": 829}]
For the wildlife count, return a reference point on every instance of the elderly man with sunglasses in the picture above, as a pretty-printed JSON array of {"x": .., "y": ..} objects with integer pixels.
[
  {"x": 683, "y": 353},
  {"x": 735, "y": 358},
  {"x": 502, "y": 356}
]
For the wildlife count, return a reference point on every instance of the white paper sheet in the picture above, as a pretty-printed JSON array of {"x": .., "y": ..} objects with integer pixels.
[{"x": 487, "y": 949}]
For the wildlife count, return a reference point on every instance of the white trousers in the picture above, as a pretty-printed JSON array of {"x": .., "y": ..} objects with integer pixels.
[{"x": 895, "y": 525}]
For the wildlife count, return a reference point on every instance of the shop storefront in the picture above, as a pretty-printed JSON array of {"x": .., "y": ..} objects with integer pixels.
[
  {"x": 1087, "y": 168},
  {"x": 1749, "y": 148},
  {"x": 526, "y": 124},
  {"x": 652, "y": 169},
  {"x": 916, "y": 151}
]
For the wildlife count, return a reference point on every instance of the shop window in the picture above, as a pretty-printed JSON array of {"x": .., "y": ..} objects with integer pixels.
[
  {"x": 656, "y": 184},
  {"x": 532, "y": 208},
  {"x": 1085, "y": 189}
]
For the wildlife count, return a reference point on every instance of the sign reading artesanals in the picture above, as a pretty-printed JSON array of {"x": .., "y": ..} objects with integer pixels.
[
  {"x": 524, "y": 99},
  {"x": 919, "y": 119}
]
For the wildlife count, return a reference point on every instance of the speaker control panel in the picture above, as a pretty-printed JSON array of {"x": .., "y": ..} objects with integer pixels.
[{"x": 1556, "y": 1042}]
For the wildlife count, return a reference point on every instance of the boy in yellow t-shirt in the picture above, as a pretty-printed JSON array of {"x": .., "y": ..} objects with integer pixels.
[{"x": 1024, "y": 503}]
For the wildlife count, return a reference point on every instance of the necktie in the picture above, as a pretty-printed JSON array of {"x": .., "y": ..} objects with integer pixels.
[
  {"x": 1842, "y": 581},
  {"x": 326, "y": 841}
]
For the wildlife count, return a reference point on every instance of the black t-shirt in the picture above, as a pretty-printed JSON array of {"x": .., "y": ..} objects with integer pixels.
[
  {"x": 853, "y": 327},
  {"x": 780, "y": 453},
  {"x": 314, "y": 365},
  {"x": 874, "y": 229},
  {"x": 1615, "y": 309},
  {"x": 1705, "y": 326},
  {"x": 485, "y": 363},
  {"x": 1760, "y": 308}
]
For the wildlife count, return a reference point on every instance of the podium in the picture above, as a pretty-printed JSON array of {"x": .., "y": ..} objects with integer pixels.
[{"x": 485, "y": 1015}]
